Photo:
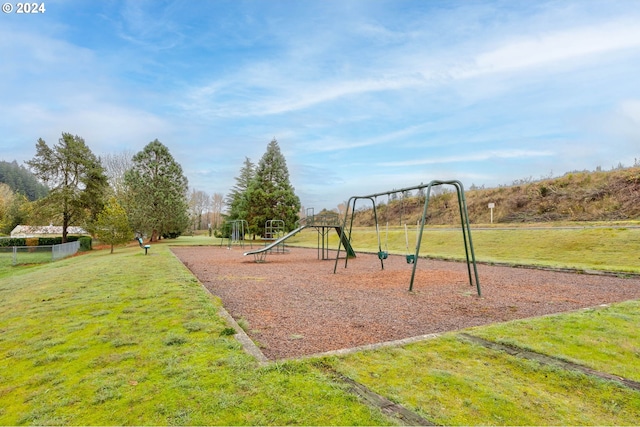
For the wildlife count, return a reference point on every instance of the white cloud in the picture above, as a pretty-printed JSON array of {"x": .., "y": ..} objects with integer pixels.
[
  {"x": 105, "y": 127},
  {"x": 551, "y": 47},
  {"x": 474, "y": 157},
  {"x": 631, "y": 109},
  {"x": 360, "y": 89},
  {"x": 285, "y": 84},
  {"x": 620, "y": 128},
  {"x": 335, "y": 144},
  {"x": 282, "y": 94}
]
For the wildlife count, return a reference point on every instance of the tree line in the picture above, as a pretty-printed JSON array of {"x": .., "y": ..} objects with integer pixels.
[
  {"x": 18, "y": 187},
  {"x": 145, "y": 193},
  {"x": 19, "y": 180}
]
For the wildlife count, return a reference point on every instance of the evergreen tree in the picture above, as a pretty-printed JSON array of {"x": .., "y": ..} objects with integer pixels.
[
  {"x": 156, "y": 200},
  {"x": 20, "y": 180},
  {"x": 18, "y": 210},
  {"x": 112, "y": 224},
  {"x": 76, "y": 179},
  {"x": 6, "y": 198},
  {"x": 15, "y": 209},
  {"x": 270, "y": 194},
  {"x": 237, "y": 199}
]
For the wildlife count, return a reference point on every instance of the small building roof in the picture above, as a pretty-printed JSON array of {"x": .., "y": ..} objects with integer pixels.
[{"x": 43, "y": 230}]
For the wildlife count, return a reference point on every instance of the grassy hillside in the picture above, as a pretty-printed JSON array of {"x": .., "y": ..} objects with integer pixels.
[{"x": 576, "y": 196}]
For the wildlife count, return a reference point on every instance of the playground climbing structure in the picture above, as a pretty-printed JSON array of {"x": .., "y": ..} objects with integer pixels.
[{"x": 323, "y": 223}]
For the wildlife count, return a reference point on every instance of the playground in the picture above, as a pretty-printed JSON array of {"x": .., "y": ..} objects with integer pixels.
[
  {"x": 298, "y": 304},
  {"x": 294, "y": 305}
]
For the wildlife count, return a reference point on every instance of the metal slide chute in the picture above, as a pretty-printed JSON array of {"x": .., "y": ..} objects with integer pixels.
[{"x": 260, "y": 254}]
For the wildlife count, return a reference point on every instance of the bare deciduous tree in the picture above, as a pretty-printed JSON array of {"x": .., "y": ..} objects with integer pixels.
[
  {"x": 217, "y": 204},
  {"x": 343, "y": 208},
  {"x": 115, "y": 166},
  {"x": 199, "y": 201}
]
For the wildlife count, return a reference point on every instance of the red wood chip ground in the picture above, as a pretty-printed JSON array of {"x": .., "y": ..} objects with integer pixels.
[{"x": 295, "y": 305}]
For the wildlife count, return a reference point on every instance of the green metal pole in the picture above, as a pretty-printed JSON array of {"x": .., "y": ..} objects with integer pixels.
[
  {"x": 419, "y": 242},
  {"x": 473, "y": 255},
  {"x": 343, "y": 235},
  {"x": 463, "y": 219},
  {"x": 353, "y": 213}
]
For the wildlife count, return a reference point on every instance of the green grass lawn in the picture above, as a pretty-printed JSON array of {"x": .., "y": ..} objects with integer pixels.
[
  {"x": 612, "y": 249},
  {"x": 130, "y": 339},
  {"x": 452, "y": 382},
  {"x": 605, "y": 339},
  {"x": 32, "y": 255}
]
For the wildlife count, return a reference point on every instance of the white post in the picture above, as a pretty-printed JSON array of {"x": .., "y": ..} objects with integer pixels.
[{"x": 491, "y": 206}]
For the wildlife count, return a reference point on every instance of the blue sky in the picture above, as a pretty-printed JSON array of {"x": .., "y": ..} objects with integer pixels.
[{"x": 362, "y": 96}]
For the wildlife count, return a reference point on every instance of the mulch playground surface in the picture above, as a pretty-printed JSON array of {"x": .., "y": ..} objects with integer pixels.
[{"x": 295, "y": 305}]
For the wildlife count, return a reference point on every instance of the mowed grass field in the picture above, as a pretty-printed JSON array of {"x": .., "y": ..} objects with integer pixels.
[
  {"x": 611, "y": 248},
  {"x": 130, "y": 339}
]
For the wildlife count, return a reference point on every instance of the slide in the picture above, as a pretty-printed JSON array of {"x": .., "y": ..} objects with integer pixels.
[
  {"x": 277, "y": 242},
  {"x": 345, "y": 242}
]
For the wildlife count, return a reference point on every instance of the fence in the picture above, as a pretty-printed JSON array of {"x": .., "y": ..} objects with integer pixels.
[{"x": 37, "y": 254}]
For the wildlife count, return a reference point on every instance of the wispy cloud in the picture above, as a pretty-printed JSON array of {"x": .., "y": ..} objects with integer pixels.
[
  {"x": 539, "y": 50},
  {"x": 474, "y": 157},
  {"x": 333, "y": 144},
  {"x": 149, "y": 26},
  {"x": 366, "y": 95},
  {"x": 282, "y": 95},
  {"x": 270, "y": 90}
]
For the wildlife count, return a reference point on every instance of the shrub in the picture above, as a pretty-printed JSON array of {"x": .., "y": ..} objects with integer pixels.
[
  {"x": 171, "y": 235},
  {"x": 85, "y": 243},
  {"x": 13, "y": 241},
  {"x": 46, "y": 241}
]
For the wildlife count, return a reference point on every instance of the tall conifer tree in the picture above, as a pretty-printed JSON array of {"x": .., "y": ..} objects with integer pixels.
[
  {"x": 76, "y": 179},
  {"x": 270, "y": 195},
  {"x": 236, "y": 200},
  {"x": 156, "y": 200}
]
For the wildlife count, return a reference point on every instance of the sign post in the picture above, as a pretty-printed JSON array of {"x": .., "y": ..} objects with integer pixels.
[{"x": 491, "y": 206}]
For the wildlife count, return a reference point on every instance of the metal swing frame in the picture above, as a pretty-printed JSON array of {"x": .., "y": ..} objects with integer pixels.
[
  {"x": 237, "y": 230},
  {"x": 464, "y": 220}
]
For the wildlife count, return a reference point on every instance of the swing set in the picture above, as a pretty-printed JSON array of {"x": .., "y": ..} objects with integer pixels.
[
  {"x": 412, "y": 259},
  {"x": 235, "y": 232},
  {"x": 382, "y": 255}
]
